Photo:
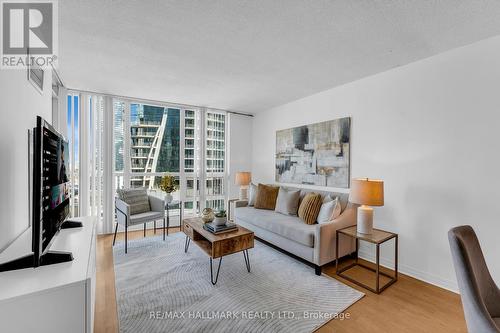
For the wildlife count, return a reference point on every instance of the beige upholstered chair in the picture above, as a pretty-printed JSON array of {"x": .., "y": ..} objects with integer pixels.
[
  {"x": 480, "y": 295},
  {"x": 135, "y": 206}
]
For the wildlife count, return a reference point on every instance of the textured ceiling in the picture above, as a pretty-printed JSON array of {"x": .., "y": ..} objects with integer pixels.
[{"x": 252, "y": 55}]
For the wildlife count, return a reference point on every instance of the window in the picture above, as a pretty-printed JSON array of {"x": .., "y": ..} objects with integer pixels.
[
  {"x": 151, "y": 141},
  {"x": 74, "y": 161},
  {"x": 191, "y": 159},
  {"x": 215, "y": 139}
]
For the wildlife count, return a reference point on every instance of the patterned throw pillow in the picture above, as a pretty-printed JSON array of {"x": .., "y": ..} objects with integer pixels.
[
  {"x": 288, "y": 201},
  {"x": 266, "y": 196},
  {"x": 310, "y": 207},
  {"x": 137, "y": 199}
]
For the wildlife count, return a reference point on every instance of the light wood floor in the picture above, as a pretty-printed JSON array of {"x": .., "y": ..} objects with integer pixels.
[{"x": 409, "y": 305}]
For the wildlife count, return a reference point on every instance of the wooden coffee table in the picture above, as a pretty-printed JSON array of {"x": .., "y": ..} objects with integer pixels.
[{"x": 217, "y": 246}]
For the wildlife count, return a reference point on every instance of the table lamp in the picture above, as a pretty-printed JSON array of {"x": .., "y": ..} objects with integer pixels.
[
  {"x": 366, "y": 192},
  {"x": 243, "y": 179}
]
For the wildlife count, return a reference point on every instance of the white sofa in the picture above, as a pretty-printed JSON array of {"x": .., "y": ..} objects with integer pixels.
[{"x": 313, "y": 243}]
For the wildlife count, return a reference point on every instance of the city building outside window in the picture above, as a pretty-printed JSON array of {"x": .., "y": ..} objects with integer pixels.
[{"x": 215, "y": 142}]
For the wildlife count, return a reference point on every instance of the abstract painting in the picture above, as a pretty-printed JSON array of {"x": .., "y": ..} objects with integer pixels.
[{"x": 316, "y": 154}]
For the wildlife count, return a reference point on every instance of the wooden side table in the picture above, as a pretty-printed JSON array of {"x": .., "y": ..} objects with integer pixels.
[{"x": 377, "y": 237}]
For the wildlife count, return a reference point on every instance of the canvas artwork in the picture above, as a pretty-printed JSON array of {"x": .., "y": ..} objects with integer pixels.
[{"x": 316, "y": 154}]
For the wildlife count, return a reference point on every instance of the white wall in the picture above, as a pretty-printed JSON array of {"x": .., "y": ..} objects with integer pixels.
[
  {"x": 240, "y": 141},
  {"x": 431, "y": 131},
  {"x": 20, "y": 103}
]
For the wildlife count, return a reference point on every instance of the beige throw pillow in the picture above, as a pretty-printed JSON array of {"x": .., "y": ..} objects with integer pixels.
[{"x": 288, "y": 201}]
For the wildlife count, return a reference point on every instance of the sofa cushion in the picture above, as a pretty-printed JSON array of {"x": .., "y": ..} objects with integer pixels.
[
  {"x": 310, "y": 207},
  {"x": 266, "y": 196},
  {"x": 287, "y": 202},
  {"x": 137, "y": 199},
  {"x": 287, "y": 226}
]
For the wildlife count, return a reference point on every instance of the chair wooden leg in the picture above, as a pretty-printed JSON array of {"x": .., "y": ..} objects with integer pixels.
[
  {"x": 154, "y": 224},
  {"x": 144, "y": 229},
  {"x": 126, "y": 237},
  {"x": 114, "y": 237}
]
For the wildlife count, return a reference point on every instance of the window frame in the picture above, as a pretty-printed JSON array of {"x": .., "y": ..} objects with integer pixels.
[{"x": 199, "y": 174}]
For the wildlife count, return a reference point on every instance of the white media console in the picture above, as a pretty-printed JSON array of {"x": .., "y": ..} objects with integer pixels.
[{"x": 57, "y": 298}]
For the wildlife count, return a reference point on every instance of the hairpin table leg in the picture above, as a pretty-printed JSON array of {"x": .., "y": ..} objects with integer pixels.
[
  {"x": 186, "y": 244},
  {"x": 212, "y": 271},
  {"x": 247, "y": 260}
]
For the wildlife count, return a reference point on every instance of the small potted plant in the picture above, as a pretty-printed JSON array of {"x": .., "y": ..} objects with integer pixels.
[
  {"x": 220, "y": 218},
  {"x": 168, "y": 185}
]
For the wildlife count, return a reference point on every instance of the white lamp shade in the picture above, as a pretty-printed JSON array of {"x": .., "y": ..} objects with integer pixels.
[
  {"x": 243, "y": 178},
  {"x": 369, "y": 192}
]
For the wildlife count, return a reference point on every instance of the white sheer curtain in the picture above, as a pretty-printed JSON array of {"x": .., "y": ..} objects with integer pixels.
[
  {"x": 94, "y": 135},
  {"x": 96, "y": 160}
]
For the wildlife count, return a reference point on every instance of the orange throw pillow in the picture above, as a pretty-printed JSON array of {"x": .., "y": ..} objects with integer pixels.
[
  {"x": 266, "y": 196},
  {"x": 310, "y": 207}
]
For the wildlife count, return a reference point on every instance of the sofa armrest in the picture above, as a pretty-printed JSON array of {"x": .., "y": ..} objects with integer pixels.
[
  {"x": 237, "y": 203},
  {"x": 157, "y": 204},
  {"x": 325, "y": 237},
  {"x": 240, "y": 203},
  {"x": 122, "y": 211}
]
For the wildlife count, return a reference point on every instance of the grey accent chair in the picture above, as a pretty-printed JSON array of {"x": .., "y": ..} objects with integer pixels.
[
  {"x": 480, "y": 295},
  {"x": 135, "y": 206}
]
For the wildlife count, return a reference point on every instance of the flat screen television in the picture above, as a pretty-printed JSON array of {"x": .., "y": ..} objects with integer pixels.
[{"x": 51, "y": 187}]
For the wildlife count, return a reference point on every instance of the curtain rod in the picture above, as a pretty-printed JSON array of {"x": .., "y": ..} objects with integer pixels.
[{"x": 157, "y": 102}]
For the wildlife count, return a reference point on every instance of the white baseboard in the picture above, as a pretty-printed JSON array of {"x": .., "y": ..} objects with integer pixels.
[{"x": 415, "y": 273}]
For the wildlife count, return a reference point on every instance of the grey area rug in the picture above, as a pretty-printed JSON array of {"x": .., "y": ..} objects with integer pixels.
[{"x": 159, "y": 288}]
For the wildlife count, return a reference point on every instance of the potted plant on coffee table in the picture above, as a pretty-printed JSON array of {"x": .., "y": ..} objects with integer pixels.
[
  {"x": 168, "y": 185},
  {"x": 220, "y": 218}
]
